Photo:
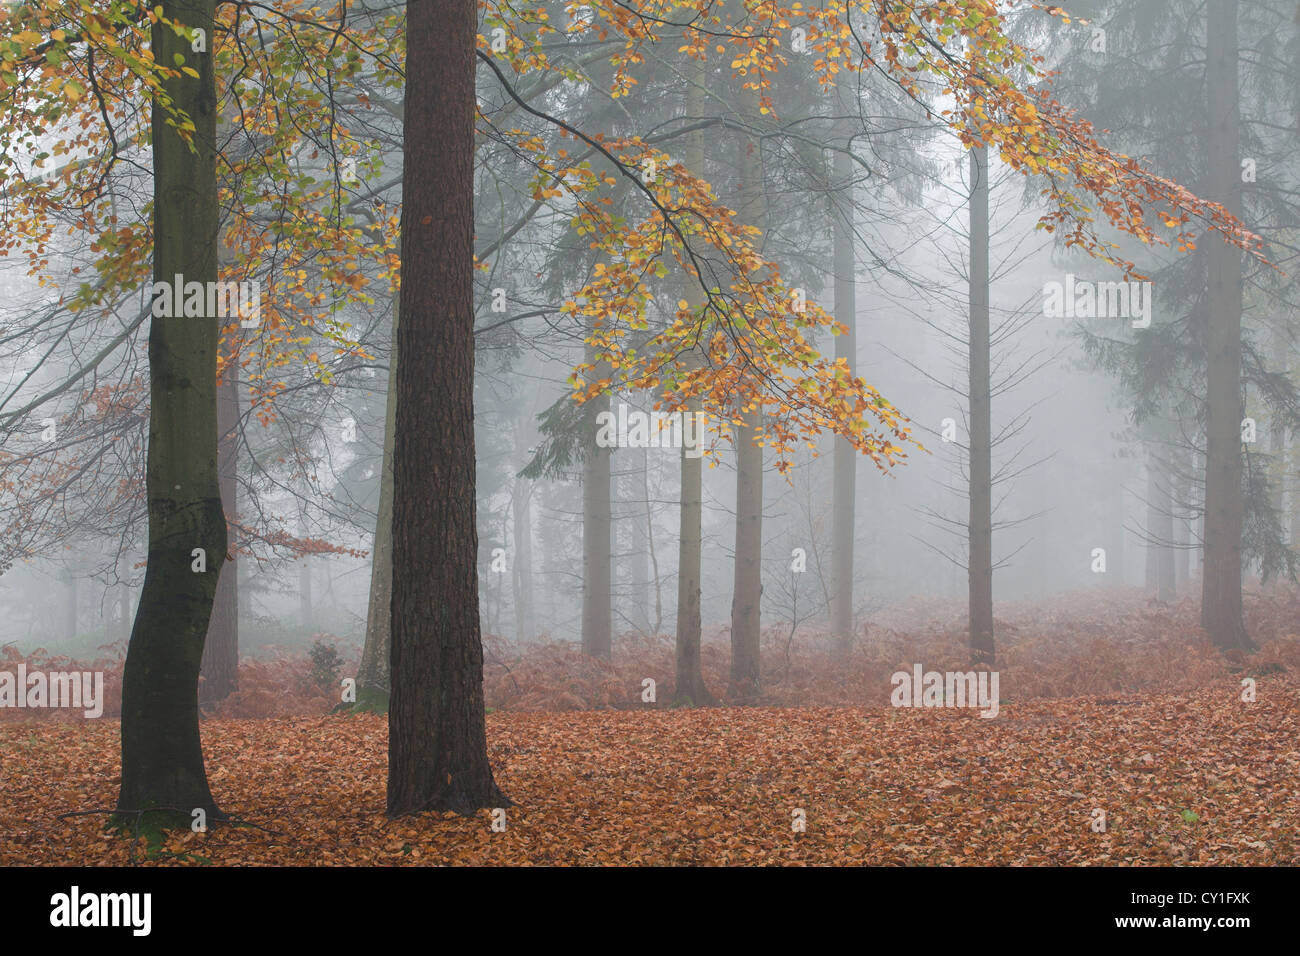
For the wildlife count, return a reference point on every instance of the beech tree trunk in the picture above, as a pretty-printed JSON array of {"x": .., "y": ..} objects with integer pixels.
[
  {"x": 437, "y": 738},
  {"x": 1221, "y": 613},
  {"x": 979, "y": 567},
  {"x": 162, "y": 758}
]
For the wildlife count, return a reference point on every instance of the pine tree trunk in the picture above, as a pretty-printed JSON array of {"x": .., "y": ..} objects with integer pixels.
[
  {"x": 437, "y": 739},
  {"x": 1221, "y": 612},
  {"x": 162, "y": 758},
  {"x": 979, "y": 566},
  {"x": 845, "y": 456}
]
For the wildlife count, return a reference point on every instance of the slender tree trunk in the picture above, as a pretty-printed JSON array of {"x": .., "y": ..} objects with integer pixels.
[
  {"x": 373, "y": 676},
  {"x": 748, "y": 588},
  {"x": 437, "y": 736},
  {"x": 1277, "y": 435},
  {"x": 220, "y": 667},
  {"x": 219, "y": 672},
  {"x": 638, "y": 548},
  {"x": 979, "y": 566},
  {"x": 306, "y": 604},
  {"x": 522, "y": 569},
  {"x": 845, "y": 456},
  {"x": 653, "y": 585},
  {"x": 162, "y": 757},
  {"x": 691, "y": 690},
  {"x": 1180, "y": 470},
  {"x": 597, "y": 529},
  {"x": 123, "y": 615},
  {"x": 70, "y": 603},
  {"x": 1221, "y": 613},
  {"x": 1160, "y": 581}
]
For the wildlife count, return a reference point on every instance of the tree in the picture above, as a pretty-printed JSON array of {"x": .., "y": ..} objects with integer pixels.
[
  {"x": 437, "y": 739},
  {"x": 374, "y": 677},
  {"x": 979, "y": 566},
  {"x": 845, "y": 458},
  {"x": 747, "y": 592},
  {"x": 1221, "y": 578},
  {"x": 597, "y": 529},
  {"x": 162, "y": 758}
]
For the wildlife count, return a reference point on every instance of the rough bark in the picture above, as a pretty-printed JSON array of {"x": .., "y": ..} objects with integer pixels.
[
  {"x": 437, "y": 740},
  {"x": 979, "y": 567},
  {"x": 162, "y": 757},
  {"x": 1221, "y": 613}
]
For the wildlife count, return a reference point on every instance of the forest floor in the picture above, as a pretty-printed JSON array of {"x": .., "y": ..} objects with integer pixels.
[{"x": 1195, "y": 777}]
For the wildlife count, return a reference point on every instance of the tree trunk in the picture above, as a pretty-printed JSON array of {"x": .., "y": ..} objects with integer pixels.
[
  {"x": 1277, "y": 436},
  {"x": 437, "y": 739},
  {"x": 123, "y": 615},
  {"x": 691, "y": 690},
  {"x": 522, "y": 566},
  {"x": 845, "y": 456},
  {"x": 162, "y": 757},
  {"x": 653, "y": 586},
  {"x": 1182, "y": 464},
  {"x": 70, "y": 604},
  {"x": 220, "y": 668},
  {"x": 373, "y": 678},
  {"x": 597, "y": 529},
  {"x": 979, "y": 567},
  {"x": 1160, "y": 575},
  {"x": 306, "y": 608},
  {"x": 637, "y": 548},
  {"x": 1221, "y": 613},
  {"x": 748, "y": 587}
]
